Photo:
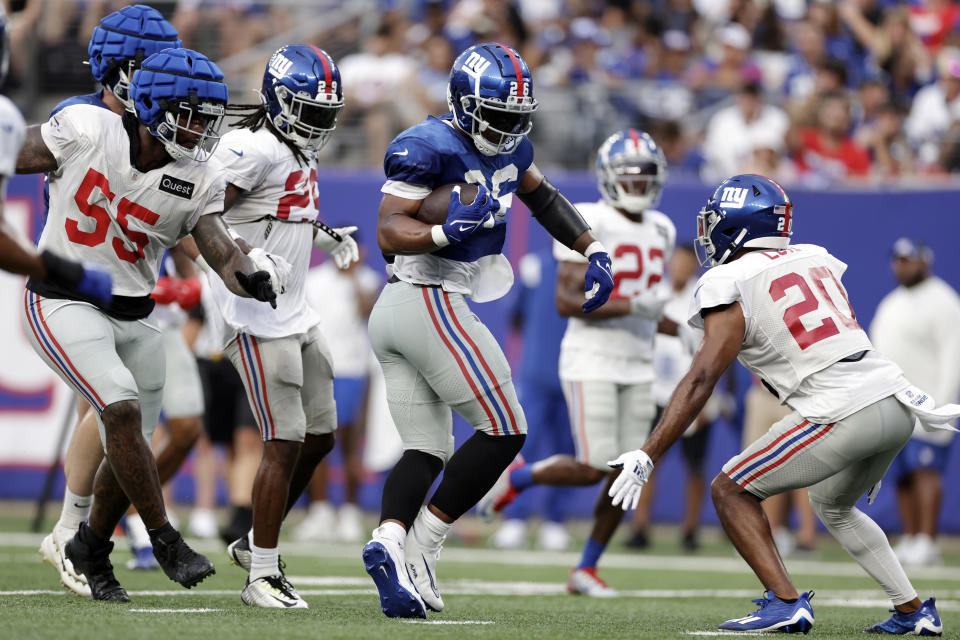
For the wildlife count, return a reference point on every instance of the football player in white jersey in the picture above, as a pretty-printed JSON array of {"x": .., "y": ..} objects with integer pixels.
[
  {"x": 606, "y": 357},
  {"x": 270, "y": 165},
  {"x": 17, "y": 254},
  {"x": 784, "y": 312},
  {"x": 127, "y": 188}
]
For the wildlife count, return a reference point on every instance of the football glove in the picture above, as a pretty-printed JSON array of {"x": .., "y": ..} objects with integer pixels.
[
  {"x": 165, "y": 291},
  {"x": 339, "y": 243},
  {"x": 598, "y": 283},
  {"x": 464, "y": 219},
  {"x": 89, "y": 279},
  {"x": 649, "y": 303},
  {"x": 189, "y": 291},
  {"x": 636, "y": 469},
  {"x": 278, "y": 268}
]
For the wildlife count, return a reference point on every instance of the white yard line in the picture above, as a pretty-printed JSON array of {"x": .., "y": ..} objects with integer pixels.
[
  {"x": 174, "y": 610},
  {"x": 448, "y": 621},
  {"x": 709, "y": 564}
]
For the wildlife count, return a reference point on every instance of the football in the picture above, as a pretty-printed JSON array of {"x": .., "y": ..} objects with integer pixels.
[{"x": 433, "y": 209}]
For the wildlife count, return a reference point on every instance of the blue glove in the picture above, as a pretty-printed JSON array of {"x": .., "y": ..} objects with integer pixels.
[
  {"x": 464, "y": 219},
  {"x": 598, "y": 283},
  {"x": 95, "y": 283}
]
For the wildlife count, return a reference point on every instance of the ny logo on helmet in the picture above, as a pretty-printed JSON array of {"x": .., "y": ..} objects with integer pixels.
[
  {"x": 476, "y": 63},
  {"x": 733, "y": 197},
  {"x": 279, "y": 65}
]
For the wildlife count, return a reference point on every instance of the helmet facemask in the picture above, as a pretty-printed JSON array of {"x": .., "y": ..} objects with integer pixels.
[
  {"x": 191, "y": 129},
  {"x": 631, "y": 185},
  {"x": 306, "y": 121},
  {"x": 497, "y": 127},
  {"x": 121, "y": 88}
]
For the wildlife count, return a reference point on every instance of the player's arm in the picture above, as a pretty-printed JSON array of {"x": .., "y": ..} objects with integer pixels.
[
  {"x": 570, "y": 276},
  {"x": 723, "y": 328},
  {"x": 35, "y": 156},
  {"x": 562, "y": 221},
  {"x": 238, "y": 271},
  {"x": 16, "y": 254},
  {"x": 398, "y": 230}
]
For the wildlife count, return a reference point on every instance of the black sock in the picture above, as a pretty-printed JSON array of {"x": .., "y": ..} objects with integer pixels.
[
  {"x": 242, "y": 518},
  {"x": 165, "y": 533},
  {"x": 86, "y": 535},
  {"x": 472, "y": 470},
  {"x": 789, "y": 601},
  {"x": 407, "y": 485}
]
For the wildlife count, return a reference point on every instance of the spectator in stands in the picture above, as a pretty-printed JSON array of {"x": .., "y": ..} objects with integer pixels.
[
  {"x": 884, "y": 138},
  {"x": 916, "y": 327},
  {"x": 729, "y": 133},
  {"x": 768, "y": 157},
  {"x": 715, "y": 78},
  {"x": 830, "y": 76},
  {"x": 809, "y": 51},
  {"x": 826, "y": 153},
  {"x": 935, "y": 108},
  {"x": 432, "y": 75},
  {"x": 682, "y": 157}
]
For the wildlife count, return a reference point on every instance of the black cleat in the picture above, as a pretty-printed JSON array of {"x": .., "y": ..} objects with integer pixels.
[
  {"x": 181, "y": 563},
  {"x": 93, "y": 563}
]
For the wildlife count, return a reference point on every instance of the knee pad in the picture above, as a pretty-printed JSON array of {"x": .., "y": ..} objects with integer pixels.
[{"x": 833, "y": 516}]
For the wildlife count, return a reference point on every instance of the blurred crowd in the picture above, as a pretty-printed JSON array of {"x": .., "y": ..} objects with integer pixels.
[{"x": 805, "y": 91}]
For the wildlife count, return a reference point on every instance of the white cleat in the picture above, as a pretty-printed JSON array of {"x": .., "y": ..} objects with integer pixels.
[
  {"x": 203, "y": 524},
  {"x": 240, "y": 554},
  {"x": 272, "y": 592},
  {"x": 512, "y": 534},
  {"x": 421, "y": 557},
  {"x": 383, "y": 558},
  {"x": 349, "y": 523},
  {"x": 586, "y": 582},
  {"x": 319, "y": 525},
  {"x": 553, "y": 536},
  {"x": 52, "y": 550}
]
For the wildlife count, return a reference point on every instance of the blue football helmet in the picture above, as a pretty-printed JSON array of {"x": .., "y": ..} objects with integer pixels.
[
  {"x": 122, "y": 41},
  {"x": 744, "y": 211},
  {"x": 180, "y": 96},
  {"x": 491, "y": 96},
  {"x": 302, "y": 94},
  {"x": 631, "y": 171}
]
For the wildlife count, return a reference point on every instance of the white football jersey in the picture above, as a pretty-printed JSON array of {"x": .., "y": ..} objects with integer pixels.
[
  {"x": 800, "y": 327},
  {"x": 104, "y": 210},
  {"x": 275, "y": 213},
  {"x": 12, "y": 131},
  {"x": 619, "y": 349}
]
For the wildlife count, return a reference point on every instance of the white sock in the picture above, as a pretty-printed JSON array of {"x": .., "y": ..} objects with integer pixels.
[
  {"x": 76, "y": 510},
  {"x": 137, "y": 533},
  {"x": 393, "y": 531},
  {"x": 865, "y": 541},
  {"x": 433, "y": 526},
  {"x": 264, "y": 562}
]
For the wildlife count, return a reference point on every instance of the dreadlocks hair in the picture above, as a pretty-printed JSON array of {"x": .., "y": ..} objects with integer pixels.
[{"x": 253, "y": 117}]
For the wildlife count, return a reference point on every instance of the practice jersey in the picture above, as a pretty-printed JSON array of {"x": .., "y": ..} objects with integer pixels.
[
  {"x": 104, "y": 210},
  {"x": 619, "y": 349},
  {"x": 274, "y": 213},
  {"x": 802, "y": 337},
  {"x": 434, "y": 153},
  {"x": 671, "y": 359},
  {"x": 335, "y": 295},
  {"x": 12, "y": 131}
]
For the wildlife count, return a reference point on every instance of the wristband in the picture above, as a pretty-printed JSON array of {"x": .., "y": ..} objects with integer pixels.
[
  {"x": 592, "y": 248},
  {"x": 439, "y": 237},
  {"x": 201, "y": 263},
  {"x": 61, "y": 270}
]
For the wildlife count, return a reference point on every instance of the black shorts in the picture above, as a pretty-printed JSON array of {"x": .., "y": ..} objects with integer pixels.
[
  {"x": 694, "y": 448},
  {"x": 227, "y": 407}
]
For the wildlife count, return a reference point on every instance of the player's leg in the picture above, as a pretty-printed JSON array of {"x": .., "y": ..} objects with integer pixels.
[
  {"x": 272, "y": 373},
  {"x": 182, "y": 404},
  {"x": 927, "y": 462},
  {"x": 350, "y": 435},
  {"x": 694, "y": 449}
]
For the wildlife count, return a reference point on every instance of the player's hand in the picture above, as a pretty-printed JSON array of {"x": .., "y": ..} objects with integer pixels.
[
  {"x": 89, "y": 279},
  {"x": 258, "y": 285},
  {"x": 189, "y": 291},
  {"x": 649, "y": 303},
  {"x": 598, "y": 283},
  {"x": 165, "y": 291},
  {"x": 636, "y": 469},
  {"x": 278, "y": 268},
  {"x": 344, "y": 250},
  {"x": 464, "y": 219}
]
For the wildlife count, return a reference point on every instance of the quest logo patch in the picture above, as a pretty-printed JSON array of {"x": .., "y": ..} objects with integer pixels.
[{"x": 177, "y": 187}]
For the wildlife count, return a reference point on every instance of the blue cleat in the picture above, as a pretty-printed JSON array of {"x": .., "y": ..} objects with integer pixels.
[
  {"x": 776, "y": 615},
  {"x": 143, "y": 560},
  {"x": 384, "y": 561},
  {"x": 925, "y": 621}
]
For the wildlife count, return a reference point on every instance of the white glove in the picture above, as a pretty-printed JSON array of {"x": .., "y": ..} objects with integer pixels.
[
  {"x": 343, "y": 251},
  {"x": 278, "y": 268},
  {"x": 636, "y": 469},
  {"x": 650, "y": 303}
]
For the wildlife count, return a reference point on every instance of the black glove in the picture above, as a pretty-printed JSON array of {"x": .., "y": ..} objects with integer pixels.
[{"x": 257, "y": 284}]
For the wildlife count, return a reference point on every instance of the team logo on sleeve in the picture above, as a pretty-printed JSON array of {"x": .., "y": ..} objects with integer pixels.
[{"x": 177, "y": 187}]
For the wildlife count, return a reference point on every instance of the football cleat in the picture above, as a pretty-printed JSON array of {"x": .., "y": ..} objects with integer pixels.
[
  {"x": 776, "y": 615},
  {"x": 142, "y": 560},
  {"x": 501, "y": 494},
  {"x": 383, "y": 558},
  {"x": 421, "y": 557},
  {"x": 585, "y": 582},
  {"x": 94, "y": 565},
  {"x": 925, "y": 621},
  {"x": 52, "y": 550},
  {"x": 240, "y": 554},
  {"x": 274, "y": 592},
  {"x": 181, "y": 563}
]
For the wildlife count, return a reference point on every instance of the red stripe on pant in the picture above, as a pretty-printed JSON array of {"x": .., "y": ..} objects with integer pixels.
[
  {"x": 99, "y": 404},
  {"x": 493, "y": 381},
  {"x": 456, "y": 356},
  {"x": 263, "y": 387},
  {"x": 799, "y": 447},
  {"x": 770, "y": 446},
  {"x": 252, "y": 393}
]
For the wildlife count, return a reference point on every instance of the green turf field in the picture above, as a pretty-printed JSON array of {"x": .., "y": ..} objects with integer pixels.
[{"x": 488, "y": 593}]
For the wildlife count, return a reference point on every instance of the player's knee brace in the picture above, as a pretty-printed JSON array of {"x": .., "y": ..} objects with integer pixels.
[
  {"x": 472, "y": 471},
  {"x": 407, "y": 484}
]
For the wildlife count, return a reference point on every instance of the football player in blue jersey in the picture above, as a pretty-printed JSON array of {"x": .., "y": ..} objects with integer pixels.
[
  {"x": 436, "y": 354},
  {"x": 119, "y": 44}
]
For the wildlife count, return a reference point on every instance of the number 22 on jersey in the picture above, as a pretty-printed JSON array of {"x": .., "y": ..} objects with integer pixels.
[
  {"x": 812, "y": 300},
  {"x": 624, "y": 278}
]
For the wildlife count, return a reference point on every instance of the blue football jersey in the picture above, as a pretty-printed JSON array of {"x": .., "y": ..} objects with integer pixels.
[{"x": 434, "y": 153}]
